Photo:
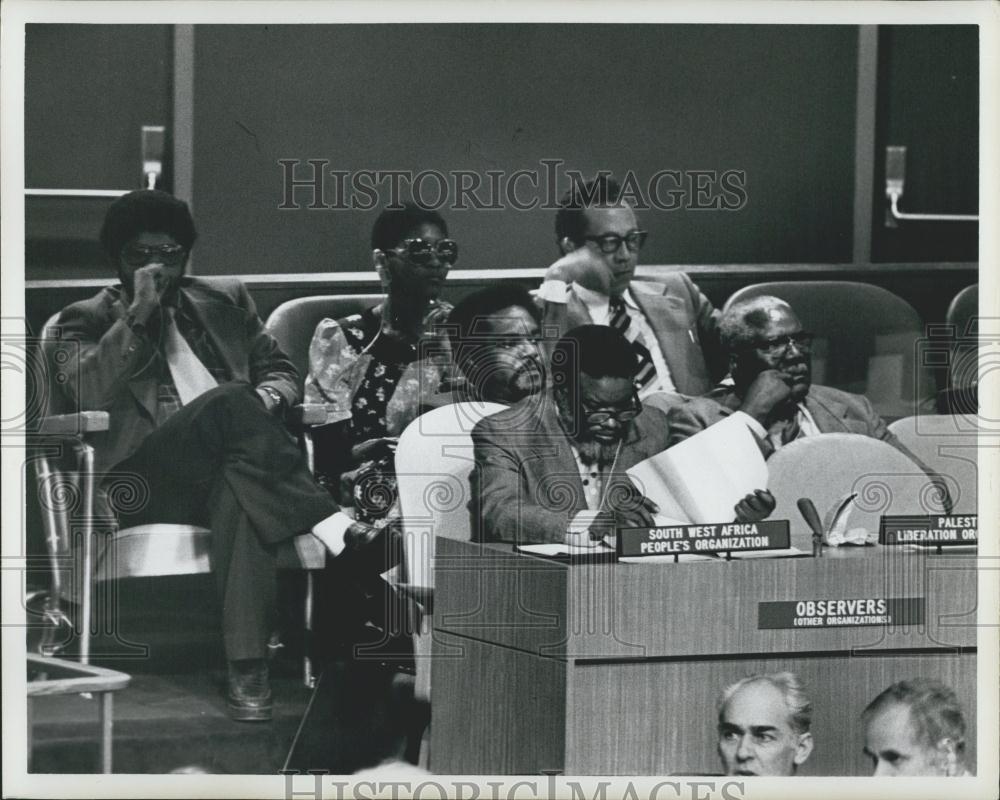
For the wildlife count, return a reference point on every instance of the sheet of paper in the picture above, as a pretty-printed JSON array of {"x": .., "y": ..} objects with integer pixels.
[
  {"x": 932, "y": 548},
  {"x": 702, "y": 479},
  {"x": 783, "y": 553},
  {"x": 559, "y": 549},
  {"x": 683, "y": 558}
]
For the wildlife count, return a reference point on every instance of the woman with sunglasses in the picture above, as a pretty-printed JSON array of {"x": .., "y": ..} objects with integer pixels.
[{"x": 374, "y": 370}]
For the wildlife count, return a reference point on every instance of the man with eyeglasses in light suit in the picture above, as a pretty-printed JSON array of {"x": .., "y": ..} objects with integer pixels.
[
  {"x": 770, "y": 385},
  {"x": 671, "y": 325},
  {"x": 196, "y": 388}
]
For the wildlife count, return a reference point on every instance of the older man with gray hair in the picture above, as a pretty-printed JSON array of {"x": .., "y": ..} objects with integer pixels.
[
  {"x": 764, "y": 723},
  {"x": 916, "y": 727},
  {"x": 770, "y": 385}
]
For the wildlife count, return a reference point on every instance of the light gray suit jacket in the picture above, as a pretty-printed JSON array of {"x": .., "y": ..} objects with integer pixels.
[
  {"x": 683, "y": 320},
  {"x": 833, "y": 410},
  {"x": 526, "y": 484}
]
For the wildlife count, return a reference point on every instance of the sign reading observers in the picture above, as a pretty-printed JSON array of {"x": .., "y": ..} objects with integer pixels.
[
  {"x": 831, "y": 613},
  {"x": 936, "y": 531},
  {"x": 728, "y": 537}
]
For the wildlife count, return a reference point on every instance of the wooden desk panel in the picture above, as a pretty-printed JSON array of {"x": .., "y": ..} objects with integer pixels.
[
  {"x": 658, "y": 717},
  {"x": 508, "y": 712},
  {"x": 493, "y": 594},
  {"x": 609, "y": 610},
  {"x": 495, "y": 711}
]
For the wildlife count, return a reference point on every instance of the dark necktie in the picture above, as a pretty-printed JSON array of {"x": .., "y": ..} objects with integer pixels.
[{"x": 622, "y": 322}]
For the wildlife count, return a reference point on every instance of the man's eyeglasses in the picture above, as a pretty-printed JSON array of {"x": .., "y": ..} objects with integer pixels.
[
  {"x": 514, "y": 340},
  {"x": 421, "y": 252},
  {"x": 170, "y": 255},
  {"x": 610, "y": 242},
  {"x": 598, "y": 416},
  {"x": 778, "y": 346}
]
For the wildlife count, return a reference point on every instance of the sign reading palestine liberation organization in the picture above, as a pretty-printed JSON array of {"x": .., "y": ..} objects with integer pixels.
[{"x": 930, "y": 530}]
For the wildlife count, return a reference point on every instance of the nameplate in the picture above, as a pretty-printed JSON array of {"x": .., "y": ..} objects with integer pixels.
[
  {"x": 725, "y": 537},
  {"x": 933, "y": 530},
  {"x": 856, "y": 613}
]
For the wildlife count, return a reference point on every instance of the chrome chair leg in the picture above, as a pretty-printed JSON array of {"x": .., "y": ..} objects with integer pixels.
[
  {"x": 307, "y": 666},
  {"x": 107, "y": 731},
  {"x": 87, "y": 491}
]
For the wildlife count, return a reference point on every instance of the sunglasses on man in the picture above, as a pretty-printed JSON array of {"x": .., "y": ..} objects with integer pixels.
[
  {"x": 170, "y": 255},
  {"x": 421, "y": 252}
]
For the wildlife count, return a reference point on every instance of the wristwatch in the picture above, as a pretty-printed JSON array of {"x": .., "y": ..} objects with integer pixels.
[{"x": 274, "y": 394}]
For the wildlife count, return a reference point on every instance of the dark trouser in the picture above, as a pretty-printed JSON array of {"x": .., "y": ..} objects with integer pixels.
[{"x": 224, "y": 462}]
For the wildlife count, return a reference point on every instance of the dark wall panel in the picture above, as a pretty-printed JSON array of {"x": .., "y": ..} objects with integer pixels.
[
  {"x": 88, "y": 90},
  {"x": 928, "y": 101},
  {"x": 774, "y": 102}
]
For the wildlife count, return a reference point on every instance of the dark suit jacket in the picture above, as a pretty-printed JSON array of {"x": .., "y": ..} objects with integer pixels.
[
  {"x": 110, "y": 368},
  {"x": 526, "y": 484},
  {"x": 833, "y": 410},
  {"x": 683, "y": 320}
]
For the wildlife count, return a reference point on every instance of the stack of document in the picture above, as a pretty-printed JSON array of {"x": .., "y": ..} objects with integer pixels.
[{"x": 700, "y": 480}]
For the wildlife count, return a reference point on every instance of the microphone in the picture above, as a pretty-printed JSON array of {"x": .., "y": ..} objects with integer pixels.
[{"x": 809, "y": 513}]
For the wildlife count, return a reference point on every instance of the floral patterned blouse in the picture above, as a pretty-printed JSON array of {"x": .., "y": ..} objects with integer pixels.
[{"x": 373, "y": 385}]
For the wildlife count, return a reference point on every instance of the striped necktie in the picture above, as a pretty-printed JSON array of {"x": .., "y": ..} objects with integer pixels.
[
  {"x": 191, "y": 377},
  {"x": 622, "y": 322}
]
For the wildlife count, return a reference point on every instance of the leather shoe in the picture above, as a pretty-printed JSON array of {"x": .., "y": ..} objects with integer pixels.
[{"x": 249, "y": 695}]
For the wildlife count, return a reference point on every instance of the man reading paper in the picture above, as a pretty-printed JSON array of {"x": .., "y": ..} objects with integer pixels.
[{"x": 551, "y": 468}]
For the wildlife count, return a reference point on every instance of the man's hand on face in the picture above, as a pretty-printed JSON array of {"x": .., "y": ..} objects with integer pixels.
[
  {"x": 755, "y": 506},
  {"x": 149, "y": 285},
  {"x": 767, "y": 392},
  {"x": 582, "y": 266}
]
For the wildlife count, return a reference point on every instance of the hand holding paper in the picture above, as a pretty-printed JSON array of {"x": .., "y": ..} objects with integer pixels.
[
  {"x": 707, "y": 478},
  {"x": 755, "y": 506}
]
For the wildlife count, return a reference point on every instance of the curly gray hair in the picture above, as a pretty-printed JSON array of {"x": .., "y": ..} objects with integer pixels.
[{"x": 741, "y": 321}]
